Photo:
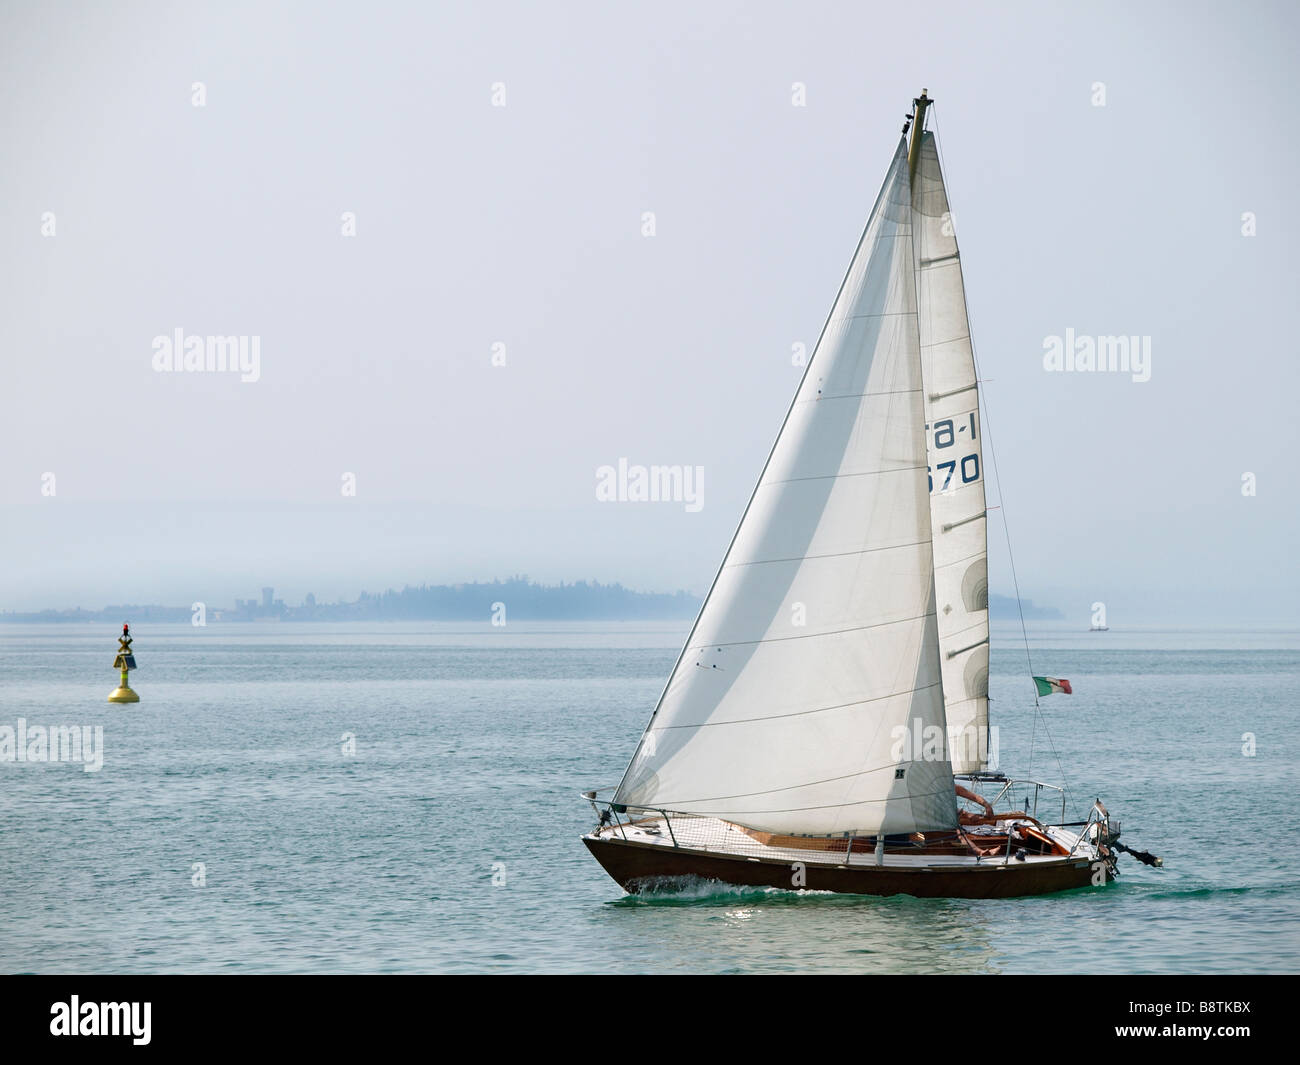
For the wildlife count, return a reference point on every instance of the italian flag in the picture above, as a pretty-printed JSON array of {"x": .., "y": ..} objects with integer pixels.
[{"x": 1047, "y": 685}]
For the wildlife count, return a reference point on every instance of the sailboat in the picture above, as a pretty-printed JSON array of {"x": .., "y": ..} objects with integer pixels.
[{"x": 830, "y": 705}]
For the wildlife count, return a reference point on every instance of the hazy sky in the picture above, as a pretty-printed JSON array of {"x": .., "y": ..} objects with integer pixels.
[{"x": 522, "y": 225}]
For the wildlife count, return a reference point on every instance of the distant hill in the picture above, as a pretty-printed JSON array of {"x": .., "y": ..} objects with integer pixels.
[
  {"x": 1003, "y": 608},
  {"x": 523, "y": 601}
]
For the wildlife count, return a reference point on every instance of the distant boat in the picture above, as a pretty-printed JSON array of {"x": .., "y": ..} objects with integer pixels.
[
  {"x": 1100, "y": 628},
  {"x": 831, "y": 702}
]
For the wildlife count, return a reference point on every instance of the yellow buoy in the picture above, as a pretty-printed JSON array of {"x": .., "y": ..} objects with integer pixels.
[{"x": 125, "y": 661}]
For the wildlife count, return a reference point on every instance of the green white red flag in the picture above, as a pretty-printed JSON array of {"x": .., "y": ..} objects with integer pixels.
[{"x": 1047, "y": 685}]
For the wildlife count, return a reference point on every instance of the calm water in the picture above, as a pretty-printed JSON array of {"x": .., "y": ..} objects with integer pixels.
[{"x": 471, "y": 746}]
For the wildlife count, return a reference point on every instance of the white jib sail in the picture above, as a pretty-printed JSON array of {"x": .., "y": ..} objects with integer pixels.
[
  {"x": 808, "y": 698},
  {"x": 954, "y": 440}
]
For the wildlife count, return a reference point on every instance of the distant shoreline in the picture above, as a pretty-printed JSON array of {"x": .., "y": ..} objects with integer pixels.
[{"x": 516, "y": 599}]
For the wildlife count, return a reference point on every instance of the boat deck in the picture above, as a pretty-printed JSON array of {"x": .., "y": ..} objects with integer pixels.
[{"x": 713, "y": 835}]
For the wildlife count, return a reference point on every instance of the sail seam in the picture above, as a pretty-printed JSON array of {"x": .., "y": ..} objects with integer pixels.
[
  {"x": 822, "y": 806},
  {"x": 833, "y": 476},
  {"x": 833, "y": 554},
  {"x": 841, "y": 805},
  {"x": 882, "y": 314},
  {"x": 961, "y": 561},
  {"x": 969, "y": 628},
  {"x": 796, "y": 787},
  {"x": 807, "y": 784},
  {"x": 815, "y": 635},
  {"x": 801, "y": 713},
  {"x": 860, "y": 395}
]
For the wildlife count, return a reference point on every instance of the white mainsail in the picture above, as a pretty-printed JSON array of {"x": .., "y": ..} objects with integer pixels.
[
  {"x": 809, "y": 698},
  {"x": 954, "y": 438}
]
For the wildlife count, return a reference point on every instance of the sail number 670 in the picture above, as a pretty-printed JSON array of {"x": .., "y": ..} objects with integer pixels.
[
  {"x": 970, "y": 471},
  {"x": 945, "y": 435}
]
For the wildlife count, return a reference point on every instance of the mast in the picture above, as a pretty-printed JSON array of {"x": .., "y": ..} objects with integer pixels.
[{"x": 919, "y": 105}]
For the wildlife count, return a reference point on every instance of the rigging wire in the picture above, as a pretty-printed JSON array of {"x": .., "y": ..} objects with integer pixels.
[{"x": 1006, "y": 530}]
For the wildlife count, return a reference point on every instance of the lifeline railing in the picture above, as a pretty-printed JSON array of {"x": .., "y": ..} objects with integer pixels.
[
  {"x": 1009, "y": 785},
  {"x": 1097, "y": 815},
  {"x": 608, "y": 811}
]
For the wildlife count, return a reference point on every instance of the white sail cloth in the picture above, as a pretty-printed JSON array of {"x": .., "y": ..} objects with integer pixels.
[
  {"x": 954, "y": 439},
  {"x": 814, "y": 663}
]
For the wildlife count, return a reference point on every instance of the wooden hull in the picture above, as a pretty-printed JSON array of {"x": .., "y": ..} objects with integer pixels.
[{"x": 639, "y": 867}]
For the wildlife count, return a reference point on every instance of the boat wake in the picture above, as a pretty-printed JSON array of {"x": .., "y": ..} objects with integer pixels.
[
  {"x": 1154, "y": 892},
  {"x": 683, "y": 890}
]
